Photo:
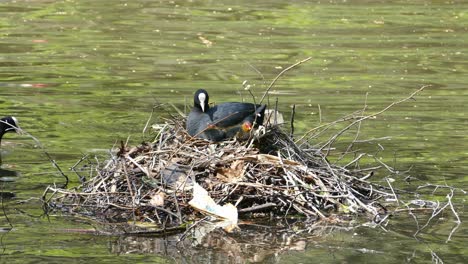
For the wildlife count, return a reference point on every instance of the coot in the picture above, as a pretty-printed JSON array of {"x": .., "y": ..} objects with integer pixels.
[
  {"x": 8, "y": 124},
  {"x": 222, "y": 121}
]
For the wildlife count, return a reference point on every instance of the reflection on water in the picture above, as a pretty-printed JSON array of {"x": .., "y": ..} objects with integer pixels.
[
  {"x": 7, "y": 195},
  {"x": 7, "y": 177},
  {"x": 252, "y": 245},
  {"x": 83, "y": 75}
]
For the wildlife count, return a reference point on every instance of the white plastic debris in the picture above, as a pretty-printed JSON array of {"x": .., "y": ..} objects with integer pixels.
[{"x": 204, "y": 203}]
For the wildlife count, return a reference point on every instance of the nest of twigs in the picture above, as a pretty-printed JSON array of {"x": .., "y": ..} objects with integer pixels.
[{"x": 266, "y": 175}]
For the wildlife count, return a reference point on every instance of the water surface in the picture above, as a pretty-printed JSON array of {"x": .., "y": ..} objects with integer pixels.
[{"x": 83, "y": 75}]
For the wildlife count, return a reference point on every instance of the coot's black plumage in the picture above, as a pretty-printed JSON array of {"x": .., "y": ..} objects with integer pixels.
[
  {"x": 222, "y": 121},
  {"x": 8, "y": 124}
]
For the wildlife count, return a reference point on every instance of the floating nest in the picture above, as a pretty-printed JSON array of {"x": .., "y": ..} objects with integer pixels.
[{"x": 267, "y": 175}]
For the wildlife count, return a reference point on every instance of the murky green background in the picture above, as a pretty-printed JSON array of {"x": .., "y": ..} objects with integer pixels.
[{"x": 83, "y": 75}]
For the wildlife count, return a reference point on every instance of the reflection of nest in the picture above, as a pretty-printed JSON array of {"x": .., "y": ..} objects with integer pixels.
[
  {"x": 153, "y": 181},
  {"x": 247, "y": 246}
]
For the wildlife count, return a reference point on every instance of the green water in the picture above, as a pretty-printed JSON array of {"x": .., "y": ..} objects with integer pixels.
[{"x": 83, "y": 75}]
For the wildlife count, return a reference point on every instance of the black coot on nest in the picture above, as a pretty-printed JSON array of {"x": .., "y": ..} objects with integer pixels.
[
  {"x": 8, "y": 124},
  {"x": 222, "y": 121}
]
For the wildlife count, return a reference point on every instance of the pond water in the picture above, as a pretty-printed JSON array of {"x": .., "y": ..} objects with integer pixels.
[{"x": 83, "y": 75}]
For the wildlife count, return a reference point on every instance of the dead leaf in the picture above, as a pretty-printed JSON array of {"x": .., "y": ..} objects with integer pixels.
[{"x": 232, "y": 174}]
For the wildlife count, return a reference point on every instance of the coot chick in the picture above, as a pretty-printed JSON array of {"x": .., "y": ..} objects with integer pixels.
[
  {"x": 8, "y": 124},
  {"x": 244, "y": 129},
  {"x": 222, "y": 121}
]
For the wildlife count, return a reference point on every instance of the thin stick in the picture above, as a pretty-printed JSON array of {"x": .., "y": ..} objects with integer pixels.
[
  {"x": 48, "y": 156},
  {"x": 253, "y": 98},
  {"x": 393, "y": 191},
  {"x": 4, "y": 212},
  {"x": 215, "y": 123},
  {"x": 276, "y": 112},
  {"x": 147, "y": 121},
  {"x": 256, "y": 70},
  {"x": 361, "y": 118},
  {"x": 292, "y": 121},
  {"x": 279, "y": 75},
  {"x": 73, "y": 168},
  {"x": 350, "y": 146},
  {"x": 458, "y": 222},
  {"x": 334, "y": 137},
  {"x": 320, "y": 114}
]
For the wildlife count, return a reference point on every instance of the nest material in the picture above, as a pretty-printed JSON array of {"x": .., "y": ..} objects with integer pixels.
[{"x": 268, "y": 174}]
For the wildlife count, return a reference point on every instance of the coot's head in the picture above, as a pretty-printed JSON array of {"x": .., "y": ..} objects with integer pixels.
[
  {"x": 8, "y": 124},
  {"x": 200, "y": 100}
]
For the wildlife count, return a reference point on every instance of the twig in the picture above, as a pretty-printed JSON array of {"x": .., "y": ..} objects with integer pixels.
[
  {"x": 334, "y": 137},
  {"x": 256, "y": 70},
  {"x": 54, "y": 163},
  {"x": 350, "y": 146},
  {"x": 291, "y": 135},
  {"x": 280, "y": 74},
  {"x": 148, "y": 121},
  {"x": 73, "y": 168},
  {"x": 393, "y": 191},
  {"x": 435, "y": 258},
  {"x": 320, "y": 113},
  {"x": 257, "y": 208},
  {"x": 458, "y": 221},
  {"x": 357, "y": 119},
  {"x": 276, "y": 112}
]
